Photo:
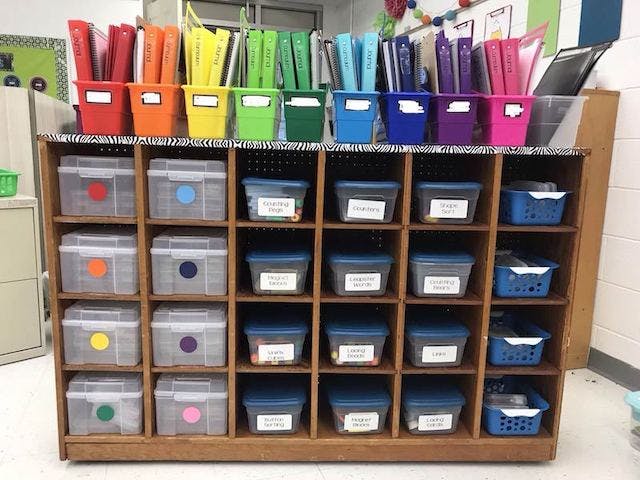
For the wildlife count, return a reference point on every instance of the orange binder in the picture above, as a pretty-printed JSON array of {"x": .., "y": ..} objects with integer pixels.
[
  {"x": 123, "y": 57},
  {"x": 170, "y": 54},
  {"x": 153, "y": 41},
  {"x": 79, "y": 35}
]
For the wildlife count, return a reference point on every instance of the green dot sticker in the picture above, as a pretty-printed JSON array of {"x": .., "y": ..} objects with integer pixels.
[{"x": 105, "y": 413}]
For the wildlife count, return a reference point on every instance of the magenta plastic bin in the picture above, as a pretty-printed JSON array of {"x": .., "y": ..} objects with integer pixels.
[
  {"x": 452, "y": 118},
  {"x": 504, "y": 119}
]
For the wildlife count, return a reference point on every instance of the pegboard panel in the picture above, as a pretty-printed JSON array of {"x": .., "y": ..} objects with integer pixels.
[
  {"x": 362, "y": 166},
  {"x": 359, "y": 241},
  {"x": 99, "y": 149},
  {"x": 441, "y": 240},
  {"x": 188, "y": 153},
  {"x": 281, "y": 164},
  {"x": 448, "y": 168}
]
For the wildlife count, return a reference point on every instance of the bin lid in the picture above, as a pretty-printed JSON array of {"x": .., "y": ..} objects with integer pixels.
[
  {"x": 386, "y": 185},
  {"x": 101, "y": 237},
  {"x": 358, "y": 393},
  {"x": 212, "y": 385},
  {"x": 278, "y": 256},
  {"x": 192, "y": 166},
  {"x": 177, "y": 239},
  {"x": 435, "y": 256},
  {"x": 423, "y": 393},
  {"x": 274, "y": 182},
  {"x": 171, "y": 313},
  {"x": 70, "y": 163},
  {"x": 274, "y": 392},
  {"x": 359, "y": 324},
  {"x": 125, "y": 314},
  {"x": 361, "y": 258},
  {"x": 439, "y": 326},
  {"x": 124, "y": 384},
  {"x": 274, "y": 323},
  {"x": 449, "y": 185}
]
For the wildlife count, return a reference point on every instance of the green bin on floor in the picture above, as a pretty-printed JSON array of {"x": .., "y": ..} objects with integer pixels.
[
  {"x": 257, "y": 113},
  {"x": 304, "y": 114}
]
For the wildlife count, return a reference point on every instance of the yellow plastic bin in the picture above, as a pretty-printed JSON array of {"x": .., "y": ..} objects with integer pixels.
[
  {"x": 257, "y": 113},
  {"x": 208, "y": 110}
]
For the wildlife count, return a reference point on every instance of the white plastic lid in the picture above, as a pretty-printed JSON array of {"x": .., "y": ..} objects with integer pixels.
[
  {"x": 184, "y": 386},
  {"x": 71, "y": 162},
  {"x": 211, "y": 241},
  {"x": 101, "y": 237},
  {"x": 122, "y": 314},
  {"x": 203, "y": 168},
  {"x": 197, "y": 314},
  {"x": 104, "y": 384}
]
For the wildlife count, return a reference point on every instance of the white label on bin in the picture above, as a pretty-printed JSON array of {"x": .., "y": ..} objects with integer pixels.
[
  {"x": 278, "y": 281},
  {"x": 446, "y": 208},
  {"x": 256, "y": 100},
  {"x": 410, "y": 106},
  {"x": 366, "y": 209},
  {"x": 442, "y": 285},
  {"x": 282, "y": 352},
  {"x": 93, "y": 96},
  {"x": 276, "y": 207},
  {"x": 361, "y": 421},
  {"x": 362, "y": 282},
  {"x": 303, "y": 102},
  {"x": 205, "y": 101},
  {"x": 428, "y": 423},
  {"x": 439, "y": 353},
  {"x": 459, "y": 107},
  {"x": 151, "y": 98},
  {"x": 274, "y": 423},
  {"x": 357, "y": 105},
  {"x": 513, "y": 110},
  {"x": 355, "y": 353}
]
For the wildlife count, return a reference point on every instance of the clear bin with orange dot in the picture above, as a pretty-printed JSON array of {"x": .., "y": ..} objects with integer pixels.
[{"x": 100, "y": 259}]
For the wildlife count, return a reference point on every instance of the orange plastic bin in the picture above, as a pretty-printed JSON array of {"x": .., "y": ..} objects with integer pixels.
[
  {"x": 155, "y": 109},
  {"x": 104, "y": 108}
]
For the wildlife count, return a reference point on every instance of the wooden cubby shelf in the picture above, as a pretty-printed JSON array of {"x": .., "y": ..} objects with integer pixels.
[{"x": 321, "y": 232}]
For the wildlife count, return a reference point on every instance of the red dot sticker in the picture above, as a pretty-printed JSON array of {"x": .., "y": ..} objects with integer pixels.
[{"x": 97, "y": 191}]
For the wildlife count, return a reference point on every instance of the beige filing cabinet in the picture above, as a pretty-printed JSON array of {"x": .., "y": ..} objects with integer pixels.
[{"x": 22, "y": 333}]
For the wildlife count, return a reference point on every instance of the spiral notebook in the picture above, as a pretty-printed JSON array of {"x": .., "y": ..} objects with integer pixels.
[{"x": 99, "y": 44}]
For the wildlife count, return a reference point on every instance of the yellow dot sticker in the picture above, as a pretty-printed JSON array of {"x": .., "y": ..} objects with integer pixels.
[{"x": 99, "y": 341}]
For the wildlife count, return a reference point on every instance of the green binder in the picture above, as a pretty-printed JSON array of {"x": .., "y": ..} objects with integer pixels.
[
  {"x": 269, "y": 58},
  {"x": 286, "y": 60},
  {"x": 300, "y": 41},
  {"x": 254, "y": 59}
]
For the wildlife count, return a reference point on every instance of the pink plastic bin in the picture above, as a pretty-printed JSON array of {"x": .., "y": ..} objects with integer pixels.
[{"x": 504, "y": 119}]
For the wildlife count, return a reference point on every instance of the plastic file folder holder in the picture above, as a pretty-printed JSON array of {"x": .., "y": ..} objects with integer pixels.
[
  {"x": 155, "y": 109},
  {"x": 104, "y": 108},
  {"x": 354, "y": 113},
  {"x": 452, "y": 118},
  {"x": 257, "y": 113},
  {"x": 304, "y": 114},
  {"x": 504, "y": 119},
  {"x": 405, "y": 116},
  {"x": 207, "y": 110}
]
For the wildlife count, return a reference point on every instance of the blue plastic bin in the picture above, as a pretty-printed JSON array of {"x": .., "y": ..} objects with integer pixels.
[
  {"x": 359, "y": 405},
  {"x": 274, "y": 406},
  {"x": 524, "y": 282},
  {"x": 275, "y": 338},
  {"x": 434, "y": 341},
  {"x": 357, "y": 274},
  {"x": 431, "y": 407},
  {"x": 524, "y": 349},
  {"x": 517, "y": 421},
  {"x": 354, "y": 113},
  {"x": 356, "y": 339},
  {"x": 519, "y": 207},
  {"x": 405, "y": 116},
  {"x": 278, "y": 272}
]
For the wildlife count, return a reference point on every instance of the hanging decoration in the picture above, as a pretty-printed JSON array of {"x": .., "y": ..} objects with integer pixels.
[
  {"x": 385, "y": 25},
  {"x": 427, "y": 18},
  {"x": 396, "y": 8}
]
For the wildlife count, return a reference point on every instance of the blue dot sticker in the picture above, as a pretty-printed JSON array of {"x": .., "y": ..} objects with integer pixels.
[
  {"x": 185, "y": 194},
  {"x": 188, "y": 269}
]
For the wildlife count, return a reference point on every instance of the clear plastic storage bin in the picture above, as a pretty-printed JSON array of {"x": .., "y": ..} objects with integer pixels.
[
  {"x": 366, "y": 202},
  {"x": 191, "y": 404},
  {"x": 435, "y": 341},
  {"x": 633, "y": 400},
  {"x": 187, "y": 189},
  {"x": 100, "y": 186},
  {"x": 100, "y": 259},
  {"x": 189, "y": 334},
  {"x": 359, "y": 405},
  {"x": 275, "y": 338},
  {"x": 447, "y": 202},
  {"x": 189, "y": 261},
  {"x": 555, "y": 120},
  {"x": 278, "y": 272},
  {"x": 440, "y": 274},
  {"x": 274, "y": 200},
  {"x": 356, "y": 340},
  {"x": 102, "y": 332},
  {"x": 274, "y": 406},
  {"x": 354, "y": 274},
  {"x": 105, "y": 402},
  {"x": 431, "y": 407}
]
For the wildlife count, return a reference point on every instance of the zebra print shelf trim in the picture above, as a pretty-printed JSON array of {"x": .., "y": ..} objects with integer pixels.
[{"x": 305, "y": 146}]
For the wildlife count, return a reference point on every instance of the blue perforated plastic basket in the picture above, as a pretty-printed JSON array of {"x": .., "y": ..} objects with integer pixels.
[
  {"x": 524, "y": 281},
  {"x": 532, "y": 208},
  {"x": 519, "y": 350},
  {"x": 500, "y": 421}
]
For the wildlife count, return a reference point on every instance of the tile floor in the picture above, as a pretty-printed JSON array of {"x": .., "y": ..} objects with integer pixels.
[{"x": 593, "y": 443}]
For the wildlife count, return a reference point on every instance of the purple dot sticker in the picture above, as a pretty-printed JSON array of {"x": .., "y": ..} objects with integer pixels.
[
  {"x": 188, "y": 344},
  {"x": 188, "y": 269},
  {"x": 191, "y": 414}
]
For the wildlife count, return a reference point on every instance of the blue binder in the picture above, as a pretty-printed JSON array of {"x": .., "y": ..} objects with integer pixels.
[
  {"x": 403, "y": 46},
  {"x": 368, "y": 62},
  {"x": 344, "y": 50}
]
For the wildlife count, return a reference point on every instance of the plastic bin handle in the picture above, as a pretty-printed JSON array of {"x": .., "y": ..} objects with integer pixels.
[
  {"x": 520, "y": 412},
  {"x": 95, "y": 252},
  {"x": 96, "y": 173},
  {"x": 551, "y": 195},
  {"x": 190, "y": 397},
  {"x": 304, "y": 102},
  {"x": 187, "y": 328},
  {"x": 97, "y": 397},
  {"x": 185, "y": 177},
  {"x": 181, "y": 255},
  {"x": 529, "y": 270},
  {"x": 357, "y": 104},
  {"x": 102, "y": 97},
  {"x": 523, "y": 340},
  {"x": 259, "y": 101},
  {"x": 459, "y": 106},
  {"x": 410, "y": 107},
  {"x": 103, "y": 327}
]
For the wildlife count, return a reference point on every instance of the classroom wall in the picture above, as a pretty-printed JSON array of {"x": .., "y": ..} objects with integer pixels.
[{"x": 616, "y": 325}]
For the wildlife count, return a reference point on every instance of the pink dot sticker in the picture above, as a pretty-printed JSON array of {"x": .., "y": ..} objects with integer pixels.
[{"x": 191, "y": 414}]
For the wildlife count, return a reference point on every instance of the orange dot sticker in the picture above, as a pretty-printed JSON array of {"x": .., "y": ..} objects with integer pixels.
[
  {"x": 97, "y": 267},
  {"x": 99, "y": 341}
]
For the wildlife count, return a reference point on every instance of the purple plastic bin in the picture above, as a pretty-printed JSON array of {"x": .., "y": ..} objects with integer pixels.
[
  {"x": 452, "y": 118},
  {"x": 504, "y": 119}
]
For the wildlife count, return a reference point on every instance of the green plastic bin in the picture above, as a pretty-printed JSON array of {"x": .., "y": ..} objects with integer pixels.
[
  {"x": 8, "y": 183},
  {"x": 304, "y": 114},
  {"x": 257, "y": 113}
]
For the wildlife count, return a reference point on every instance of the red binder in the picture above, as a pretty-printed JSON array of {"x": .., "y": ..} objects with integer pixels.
[
  {"x": 80, "y": 47},
  {"x": 494, "y": 64},
  {"x": 123, "y": 59},
  {"x": 510, "y": 65}
]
